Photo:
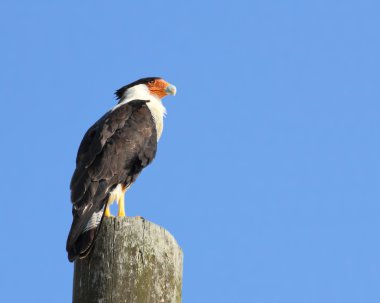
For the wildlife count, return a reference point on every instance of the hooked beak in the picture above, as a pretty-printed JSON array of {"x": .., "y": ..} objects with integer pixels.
[{"x": 171, "y": 90}]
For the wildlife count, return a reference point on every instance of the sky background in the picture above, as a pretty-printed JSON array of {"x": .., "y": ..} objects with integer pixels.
[{"x": 267, "y": 172}]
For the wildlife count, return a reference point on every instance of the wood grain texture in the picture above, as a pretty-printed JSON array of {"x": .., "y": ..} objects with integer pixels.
[{"x": 133, "y": 261}]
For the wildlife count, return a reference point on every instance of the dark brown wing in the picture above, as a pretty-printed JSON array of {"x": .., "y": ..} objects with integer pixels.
[{"x": 113, "y": 151}]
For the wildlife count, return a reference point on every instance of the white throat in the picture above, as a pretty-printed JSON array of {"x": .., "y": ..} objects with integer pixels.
[{"x": 157, "y": 109}]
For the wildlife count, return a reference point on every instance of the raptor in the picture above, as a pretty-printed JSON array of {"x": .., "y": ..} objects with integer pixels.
[{"x": 111, "y": 156}]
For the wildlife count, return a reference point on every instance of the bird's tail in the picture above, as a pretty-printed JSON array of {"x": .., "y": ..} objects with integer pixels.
[{"x": 86, "y": 239}]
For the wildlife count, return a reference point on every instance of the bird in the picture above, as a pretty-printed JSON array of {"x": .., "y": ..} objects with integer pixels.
[{"x": 111, "y": 155}]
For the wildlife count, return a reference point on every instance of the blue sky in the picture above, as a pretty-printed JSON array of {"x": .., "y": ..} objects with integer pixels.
[{"x": 267, "y": 172}]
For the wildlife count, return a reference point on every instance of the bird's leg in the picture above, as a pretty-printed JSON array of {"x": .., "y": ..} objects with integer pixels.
[
  {"x": 107, "y": 212},
  {"x": 121, "y": 212}
]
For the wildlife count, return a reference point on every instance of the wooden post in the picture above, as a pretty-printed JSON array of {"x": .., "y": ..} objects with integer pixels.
[{"x": 133, "y": 261}]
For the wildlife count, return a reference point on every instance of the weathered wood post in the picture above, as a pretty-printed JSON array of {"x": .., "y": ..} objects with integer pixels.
[{"x": 133, "y": 261}]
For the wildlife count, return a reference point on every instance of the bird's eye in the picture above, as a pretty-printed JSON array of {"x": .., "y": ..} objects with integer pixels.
[{"x": 151, "y": 82}]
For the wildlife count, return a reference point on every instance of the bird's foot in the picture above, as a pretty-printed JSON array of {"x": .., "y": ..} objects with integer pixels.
[
  {"x": 121, "y": 213},
  {"x": 107, "y": 213}
]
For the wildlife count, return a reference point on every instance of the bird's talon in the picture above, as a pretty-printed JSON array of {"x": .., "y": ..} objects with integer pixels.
[{"x": 107, "y": 213}]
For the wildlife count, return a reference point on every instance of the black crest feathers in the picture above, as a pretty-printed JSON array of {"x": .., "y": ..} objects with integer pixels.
[{"x": 120, "y": 92}]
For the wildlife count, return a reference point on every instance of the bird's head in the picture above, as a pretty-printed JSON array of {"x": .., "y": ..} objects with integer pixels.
[{"x": 146, "y": 87}]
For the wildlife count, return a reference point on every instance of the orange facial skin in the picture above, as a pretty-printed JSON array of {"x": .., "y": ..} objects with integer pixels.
[{"x": 157, "y": 87}]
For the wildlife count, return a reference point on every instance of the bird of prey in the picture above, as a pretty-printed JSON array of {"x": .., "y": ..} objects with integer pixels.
[{"x": 112, "y": 154}]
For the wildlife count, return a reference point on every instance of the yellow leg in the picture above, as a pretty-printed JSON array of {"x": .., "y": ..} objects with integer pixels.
[
  {"x": 121, "y": 212},
  {"x": 107, "y": 213}
]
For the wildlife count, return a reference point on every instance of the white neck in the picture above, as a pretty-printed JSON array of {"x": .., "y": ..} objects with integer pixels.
[
  {"x": 138, "y": 92},
  {"x": 157, "y": 109}
]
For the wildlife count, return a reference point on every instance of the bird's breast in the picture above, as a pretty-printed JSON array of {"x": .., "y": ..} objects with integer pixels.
[{"x": 158, "y": 112}]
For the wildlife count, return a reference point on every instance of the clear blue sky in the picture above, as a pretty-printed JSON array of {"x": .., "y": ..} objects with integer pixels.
[{"x": 268, "y": 170}]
